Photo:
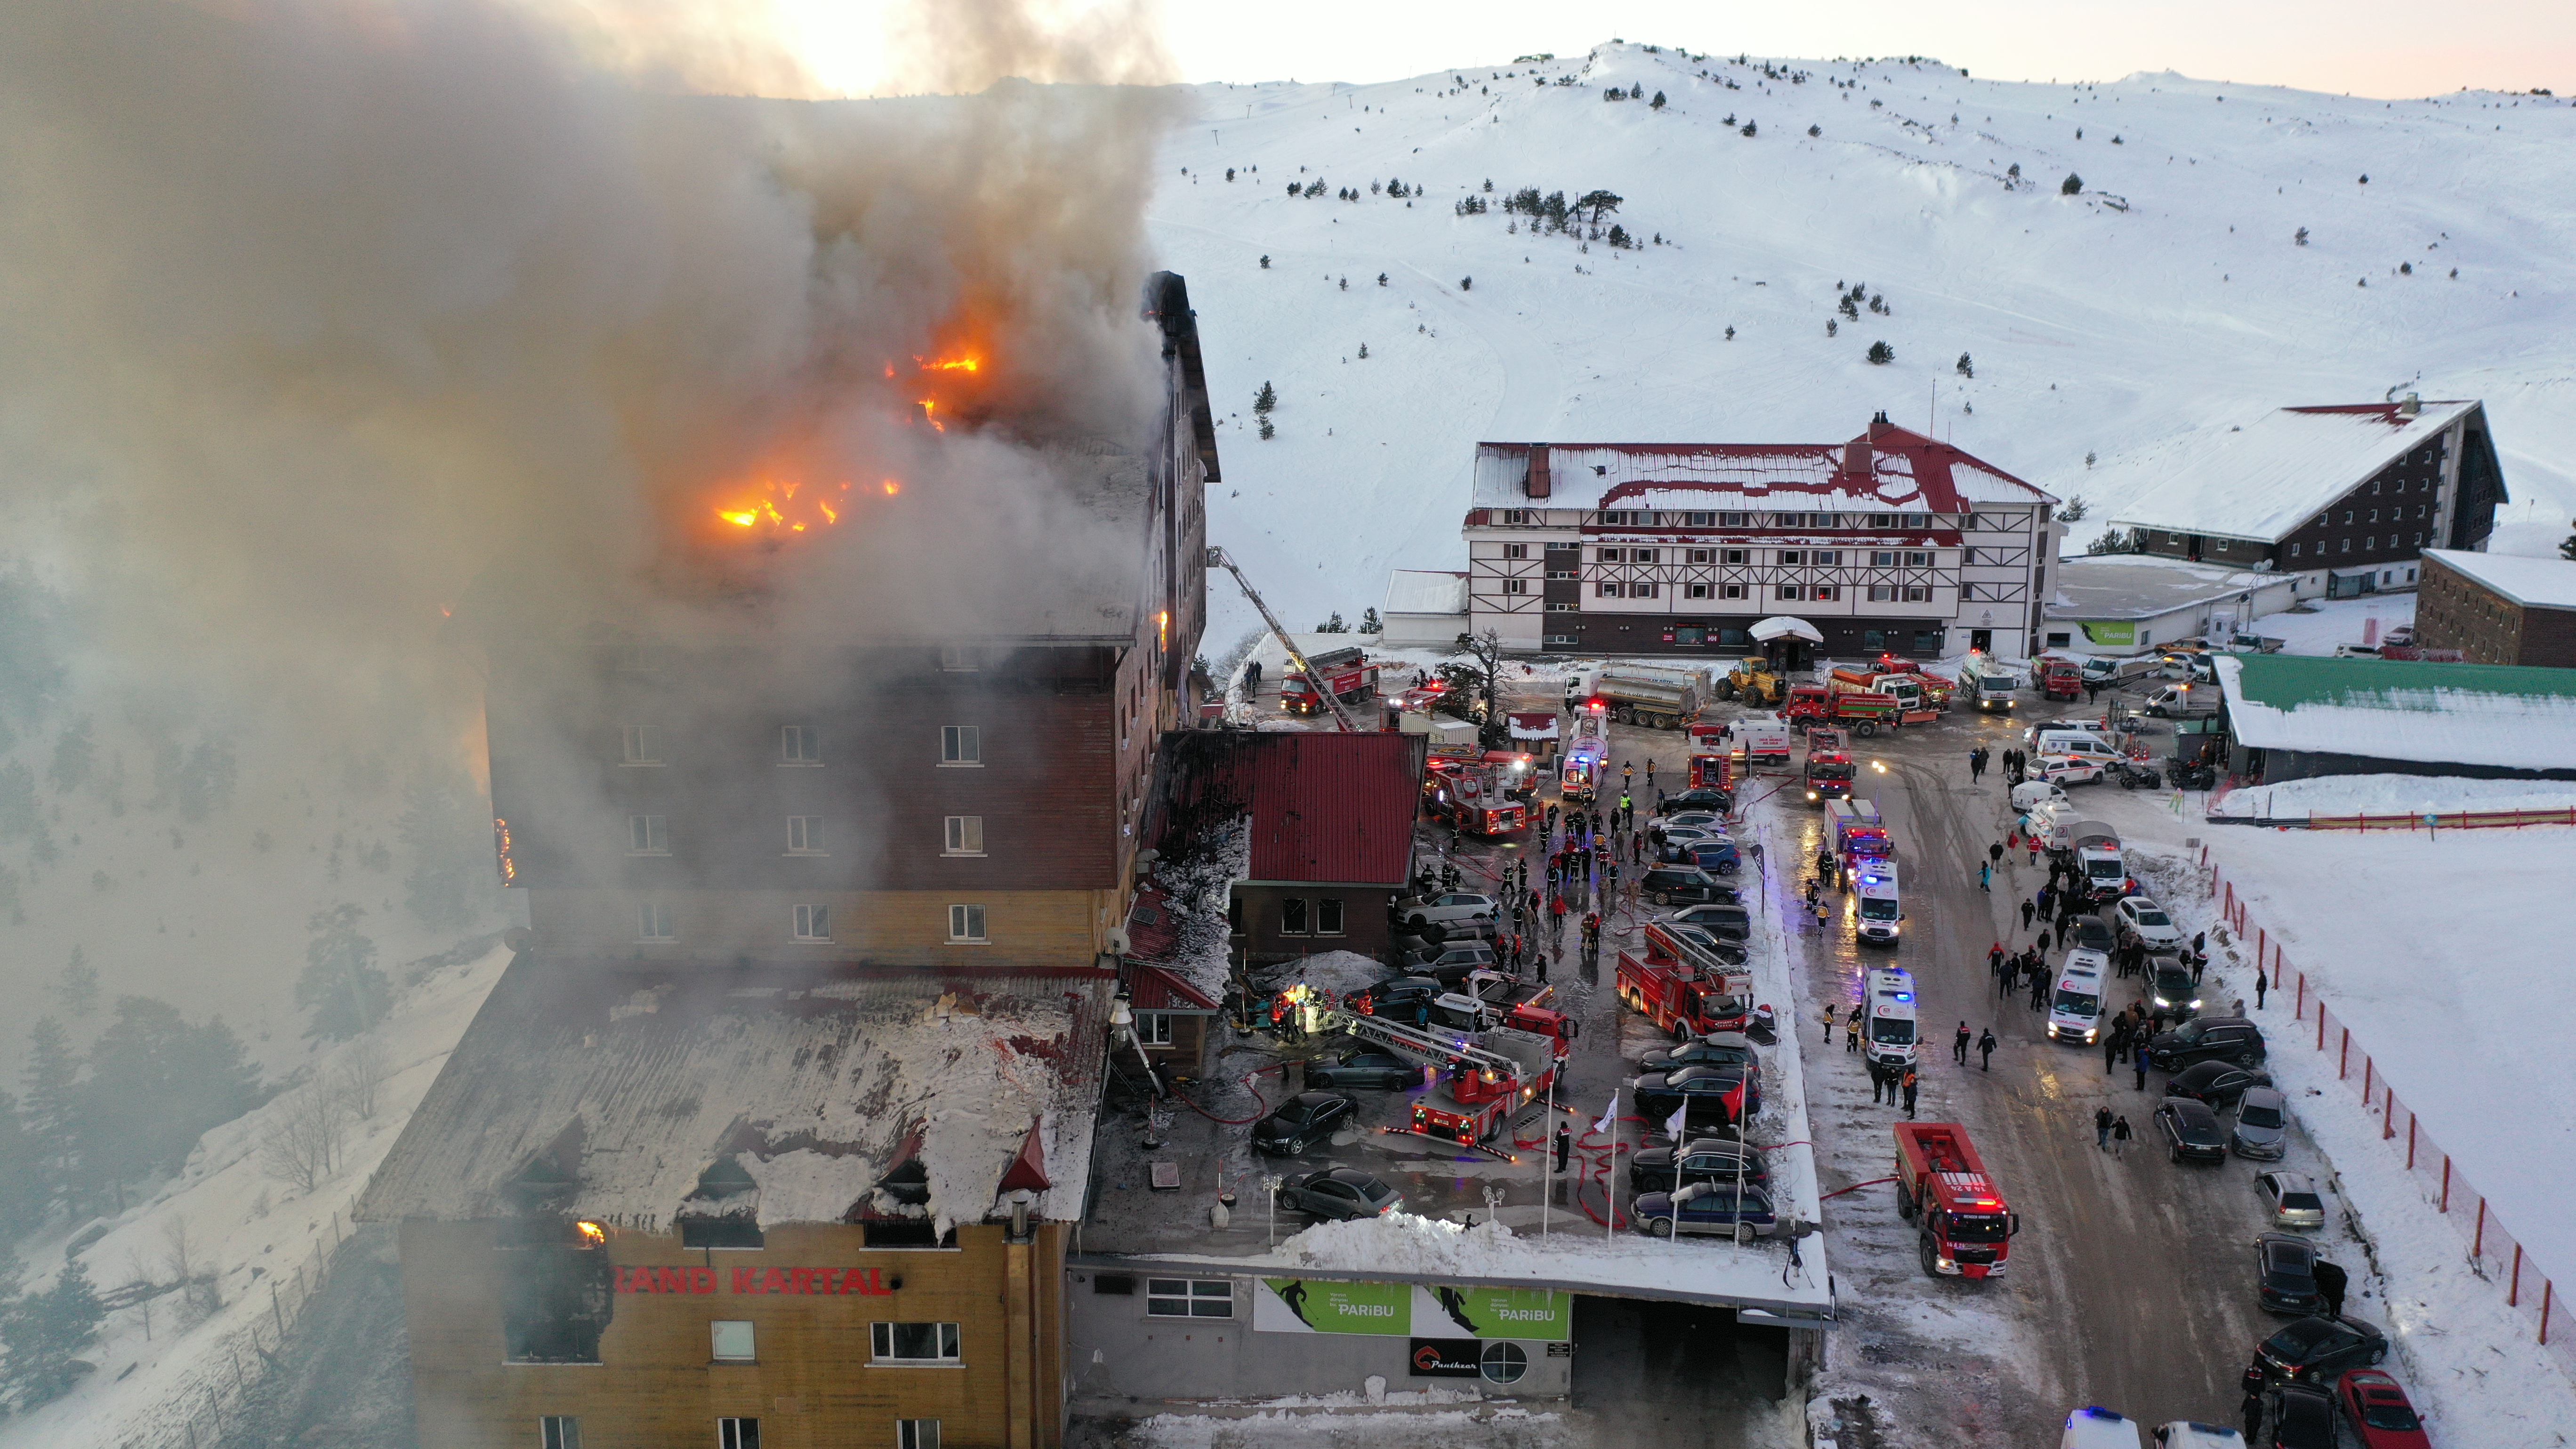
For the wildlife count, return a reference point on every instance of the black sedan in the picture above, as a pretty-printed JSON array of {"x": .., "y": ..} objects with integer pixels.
[
  {"x": 2174, "y": 990},
  {"x": 1383, "y": 1070},
  {"x": 1706, "y": 797},
  {"x": 1726, "y": 923},
  {"x": 2218, "y": 1084},
  {"x": 1658, "y": 1094},
  {"x": 2318, "y": 1349},
  {"x": 2191, "y": 1130},
  {"x": 1717, "y": 1049},
  {"x": 1302, "y": 1121},
  {"x": 1337, "y": 1193},
  {"x": 2303, "y": 1418},
  {"x": 2285, "y": 1274},
  {"x": 1714, "y": 1159},
  {"x": 1396, "y": 999},
  {"x": 2089, "y": 933}
]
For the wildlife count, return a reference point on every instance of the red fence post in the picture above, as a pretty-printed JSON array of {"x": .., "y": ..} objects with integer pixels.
[
  {"x": 2478, "y": 1245},
  {"x": 2446, "y": 1182},
  {"x": 2343, "y": 1053},
  {"x": 2388, "y": 1117},
  {"x": 2303, "y": 1004},
  {"x": 2513, "y": 1286},
  {"x": 2410, "y": 1139},
  {"x": 2368, "y": 1070},
  {"x": 2547, "y": 1291}
]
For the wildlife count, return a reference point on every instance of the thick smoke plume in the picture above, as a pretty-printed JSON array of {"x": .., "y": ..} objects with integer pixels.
[{"x": 319, "y": 312}]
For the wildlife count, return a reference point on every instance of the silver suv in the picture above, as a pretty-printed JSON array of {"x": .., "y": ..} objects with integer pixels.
[{"x": 2262, "y": 1124}]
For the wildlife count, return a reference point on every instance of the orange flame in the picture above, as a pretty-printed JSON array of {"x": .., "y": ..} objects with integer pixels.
[
  {"x": 592, "y": 1232},
  {"x": 968, "y": 363}
]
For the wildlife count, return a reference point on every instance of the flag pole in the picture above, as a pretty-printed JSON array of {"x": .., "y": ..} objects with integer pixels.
[
  {"x": 1610, "y": 1179},
  {"x": 1547, "y": 1158}
]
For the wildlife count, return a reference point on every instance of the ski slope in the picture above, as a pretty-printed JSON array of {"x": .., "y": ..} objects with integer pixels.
[{"x": 2169, "y": 296}]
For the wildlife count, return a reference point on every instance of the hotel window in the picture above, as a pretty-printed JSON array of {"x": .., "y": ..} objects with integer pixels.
[
  {"x": 1699, "y": 520},
  {"x": 805, "y": 835},
  {"x": 1516, "y": 550},
  {"x": 1789, "y": 591},
  {"x": 1789, "y": 520},
  {"x": 966, "y": 925},
  {"x": 642, "y": 745},
  {"x": 916, "y": 1434},
  {"x": 1608, "y": 591},
  {"x": 1703, "y": 555},
  {"x": 800, "y": 745},
  {"x": 1731, "y": 591},
  {"x": 1695, "y": 591},
  {"x": 2347, "y": 515},
  {"x": 1609, "y": 555},
  {"x": 737, "y": 1434},
  {"x": 2370, "y": 541},
  {"x": 731, "y": 1339},
  {"x": 1643, "y": 591},
  {"x": 1918, "y": 594},
  {"x": 1292, "y": 917},
  {"x": 2346, "y": 548},
  {"x": 1565, "y": 608},
  {"x": 1917, "y": 520},
  {"x": 1882, "y": 593},
  {"x": 905, "y": 1343},
  {"x": 1189, "y": 1298},
  {"x": 558, "y": 1431},
  {"x": 1516, "y": 586},
  {"x": 2419, "y": 543},
  {"x": 958, "y": 659},
  {"x": 1515, "y": 515},
  {"x": 1328, "y": 916},
  {"x": 1645, "y": 555},
  {"x": 648, "y": 835},
  {"x": 1735, "y": 556},
  {"x": 1918, "y": 558},
  {"x": 1827, "y": 556},
  {"x": 961, "y": 745},
  {"x": 813, "y": 923},
  {"x": 1154, "y": 1028},
  {"x": 1732, "y": 520},
  {"x": 1873, "y": 638},
  {"x": 1884, "y": 558},
  {"x": 2374, "y": 513},
  {"x": 653, "y": 922},
  {"x": 1822, "y": 591},
  {"x": 1793, "y": 556},
  {"x": 965, "y": 835},
  {"x": 2294, "y": 550}
]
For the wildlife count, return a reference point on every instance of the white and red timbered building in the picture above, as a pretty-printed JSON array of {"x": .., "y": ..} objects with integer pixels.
[{"x": 1891, "y": 542}]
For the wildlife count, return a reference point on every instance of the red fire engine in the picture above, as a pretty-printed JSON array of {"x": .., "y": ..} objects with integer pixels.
[
  {"x": 1964, "y": 1226},
  {"x": 1347, "y": 672},
  {"x": 1682, "y": 990},
  {"x": 1487, "y": 1087},
  {"x": 1483, "y": 797}
]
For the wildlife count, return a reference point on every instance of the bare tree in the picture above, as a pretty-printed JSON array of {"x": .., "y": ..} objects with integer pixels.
[
  {"x": 301, "y": 1147},
  {"x": 1486, "y": 650},
  {"x": 364, "y": 1065},
  {"x": 200, "y": 1290}
]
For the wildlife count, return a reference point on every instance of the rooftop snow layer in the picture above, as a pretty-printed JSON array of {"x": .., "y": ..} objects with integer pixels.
[
  {"x": 2507, "y": 716},
  {"x": 1426, "y": 591},
  {"x": 2135, "y": 586},
  {"x": 818, "y": 1082},
  {"x": 2534, "y": 583},
  {"x": 2265, "y": 479},
  {"x": 1906, "y": 472}
]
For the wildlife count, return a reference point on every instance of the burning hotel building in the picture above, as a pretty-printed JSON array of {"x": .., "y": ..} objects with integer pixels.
[{"x": 772, "y": 1132}]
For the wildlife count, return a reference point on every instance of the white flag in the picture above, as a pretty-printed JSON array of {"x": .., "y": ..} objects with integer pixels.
[
  {"x": 1673, "y": 1123},
  {"x": 1610, "y": 1116}
]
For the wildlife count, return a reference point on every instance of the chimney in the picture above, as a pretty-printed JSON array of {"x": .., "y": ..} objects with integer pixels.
[
  {"x": 1858, "y": 455},
  {"x": 1537, "y": 484},
  {"x": 2410, "y": 406}
]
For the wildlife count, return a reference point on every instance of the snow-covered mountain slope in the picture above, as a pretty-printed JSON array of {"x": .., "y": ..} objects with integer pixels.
[{"x": 2170, "y": 294}]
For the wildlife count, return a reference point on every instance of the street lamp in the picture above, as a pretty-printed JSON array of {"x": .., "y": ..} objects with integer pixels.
[{"x": 1270, "y": 1191}]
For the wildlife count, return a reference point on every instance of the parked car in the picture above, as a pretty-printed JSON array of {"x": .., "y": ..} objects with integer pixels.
[
  {"x": 1728, "y": 899},
  {"x": 1445, "y": 909},
  {"x": 1704, "y": 1207},
  {"x": 1707, "y": 820},
  {"x": 1384, "y": 1071},
  {"x": 2090, "y": 933},
  {"x": 2292, "y": 1198},
  {"x": 2318, "y": 1349},
  {"x": 2378, "y": 1410},
  {"x": 1726, "y": 923},
  {"x": 2216, "y": 1083},
  {"x": 1718, "y": 857},
  {"x": 1302, "y": 1121},
  {"x": 2207, "y": 1039},
  {"x": 1706, "y": 797},
  {"x": 1714, "y": 1159},
  {"x": 2285, "y": 1274},
  {"x": 1728, "y": 953},
  {"x": 1338, "y": 1194},
  {"x": 2191, "y": 1130},
  {"x": 2262, "y": 1124},
  {"x": 1450, "y": 964},
  {"x": 1718, "y": 1048},
  {"x": 1658, "y": 1094},
  {"x": 2173, "y": 988},
  {"x": 1668, "y": 885},
  {"x": 2192, "y": 1434},
  {"x": 2150, "y": 922},
  {"x": 1671, "y": 835},
  {"x": 1397, "y": 998},
  {"x": 2302, "y": 1417}
]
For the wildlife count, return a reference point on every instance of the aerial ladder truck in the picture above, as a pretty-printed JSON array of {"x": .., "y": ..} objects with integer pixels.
[{"x": 1218, "y": 558}]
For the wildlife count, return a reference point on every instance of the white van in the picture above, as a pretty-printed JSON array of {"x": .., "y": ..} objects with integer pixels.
[
  {"x": 2183, "y": 701},
  {"x": 2052, "y": 823},
  {"x": 2192, "y": 1434},
  {"x": 2099, "y": 1428},
  {"x": 1874, "y": 886},
  {"x": 2075, "y": 1011},
  {"x": 2072, "y": 742},
  {"x": 1890, "y": 1038},
  {"x": 2031, "y": 794}
]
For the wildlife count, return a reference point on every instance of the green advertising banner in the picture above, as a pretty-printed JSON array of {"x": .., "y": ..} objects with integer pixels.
[
  {"x": 2114, "y": 631},
  {"x": 1532, "y": 1313},
  {"x": 1296, "y": 1305}
]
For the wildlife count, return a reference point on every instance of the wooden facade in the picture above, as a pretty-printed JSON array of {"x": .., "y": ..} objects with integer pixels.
[{"x": 812, "y": 1382}]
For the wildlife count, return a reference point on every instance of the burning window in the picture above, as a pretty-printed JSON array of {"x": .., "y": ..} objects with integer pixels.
[
  {"x": 961, "y": 745},
  {"x": 1822, "y": 591},
  {"x": 813, "y": 923},
  {"x": 800, "y": 745},
  {"x": 555, "y": 1298},
  {"x": 957, "y": 659}
]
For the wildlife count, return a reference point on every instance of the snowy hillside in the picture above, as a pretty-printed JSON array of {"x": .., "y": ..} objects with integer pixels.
[{"x": 2169, "y": 295}]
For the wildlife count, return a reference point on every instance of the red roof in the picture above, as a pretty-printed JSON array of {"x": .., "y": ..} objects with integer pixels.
[
  {"x": 1326, "y": 808},
  {"x": 1152, "y": 933},
  {"x": 1151, "y": 988},
  {"x": 1028, "y": 1168}
]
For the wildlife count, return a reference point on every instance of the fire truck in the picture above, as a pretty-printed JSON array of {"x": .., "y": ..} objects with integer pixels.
[
  {"x": 1907, "y": 689},
  {"x": 1829, "y": 775},
  {"x": 1964, "y": 1226},
  {"x": 1486, "y": 1078},
  {"x": 1937, "y": 691},
  {"x": 1484, "y": 797},
  {"x": 2059, "y": 677},
  {"x": 1682, "y": 990},
  {"x": 1347, "y": 673},
  {"x": 1863, "y": 714}
]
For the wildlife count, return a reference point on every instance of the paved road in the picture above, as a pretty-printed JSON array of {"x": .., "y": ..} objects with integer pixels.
[{"x": 2130, "y": 1284}]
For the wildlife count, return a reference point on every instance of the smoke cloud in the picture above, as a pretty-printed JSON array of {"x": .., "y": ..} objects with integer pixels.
[{"x": 324, "y": 316}]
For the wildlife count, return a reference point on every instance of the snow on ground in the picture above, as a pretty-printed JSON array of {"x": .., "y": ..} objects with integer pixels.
[
  {"x": 2407, "y": 938},
  {"x": 2169, "y": 295},
  {"x": 255, "y": 1231},
  {"x": 1500, "y": 1428},
  {"x": 2389, "y": 795},
  {"x": 2325, "y": 623}
]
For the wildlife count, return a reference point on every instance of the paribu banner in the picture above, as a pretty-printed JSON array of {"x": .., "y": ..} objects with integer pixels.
[
  {"x": 1401, "y": 1310},
  {"x": 2112, "y": 631}
]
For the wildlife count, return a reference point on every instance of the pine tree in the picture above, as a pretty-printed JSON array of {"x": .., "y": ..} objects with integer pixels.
[
  {"x": 1229, "y": 173},
  {"x": 1370, "y": 623},
  {"x": 46, "y": 1332},
  {"x": 22, "y": 1175},
  {"x": 1381, "y": 279},
  {"x": 1966, "y": 368},
  {"x": 1750, "y": 129},
  {"x": 340, "y": 979},
  {"x": 1268, "y": 430},
  {"x": 1881, "y": 354},
  {"x": 1265, "y": 261},
  {"x": 1832, "y": 327},
  {"x": 1363, "y": 352},
  {"x": 1730, "y": 334},
  {"x": 1264, "y": 400},
  {"x": 1815, "y": 130},
  {"x": 77, "y": 989},
  {"x": 1346, "y": 284},
  {"x": 155, "y": 1083},
  {"x": 1619, "y": 236},
  {"x": 2073, "y": 185},
  {"x": 1848, "y": 308},
  {"x": 2301, "y": 239},
  {"x": 1333, "y": 625},
  {"x": 1658, "y": 102},
  {"x": 1466, "y": 284},
  {"x": 52, "y": 1080},
  {"x": 2567, "y": 549},
  {"x": 2073, "y": 509}
]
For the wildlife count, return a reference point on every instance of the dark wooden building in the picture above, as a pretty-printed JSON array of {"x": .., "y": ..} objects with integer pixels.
[
  {"x": 2354, "y": 492},
  {"x": 2498, "y": 610}
]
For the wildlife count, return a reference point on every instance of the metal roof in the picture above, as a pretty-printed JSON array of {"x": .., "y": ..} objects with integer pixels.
[
  {"x": 1899, "y": 470},
  {"x": 2504, "y": 715},
  {"x": 2265, "y": 478},
  {"x": 2534, "y": 583},
  {"x": 1325, "y": 808}
]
